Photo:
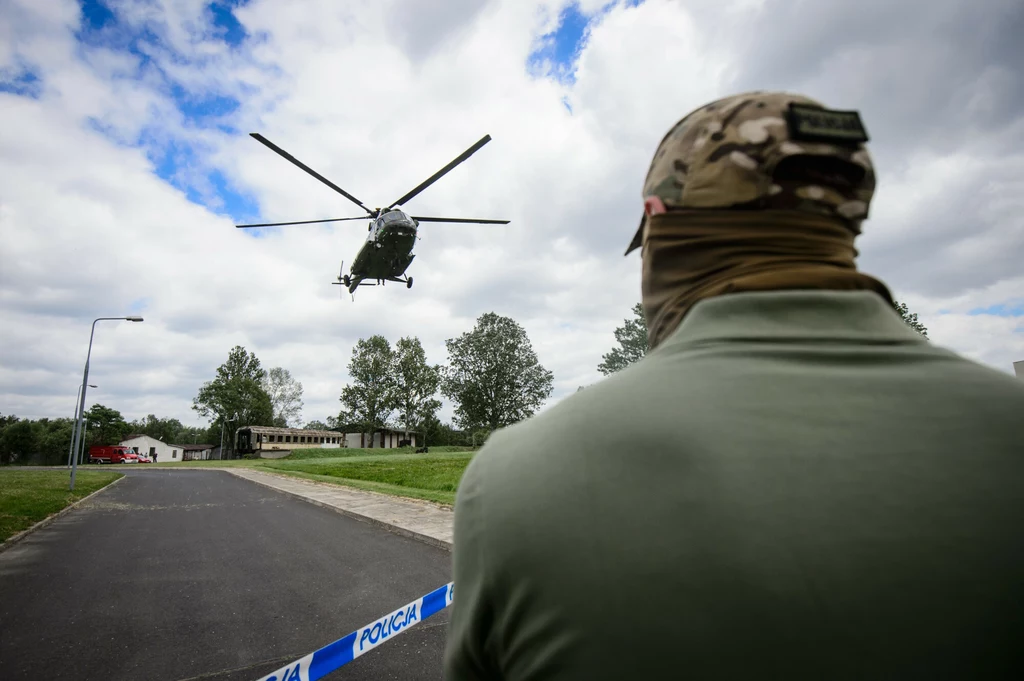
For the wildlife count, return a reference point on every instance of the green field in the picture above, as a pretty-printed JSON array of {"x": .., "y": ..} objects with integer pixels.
[
  {"x": 319, "y": 453},
  {"x": 400, "y": 472},
  {"x": 28, "y": 496},
  {"x": 433, "y": 477}
]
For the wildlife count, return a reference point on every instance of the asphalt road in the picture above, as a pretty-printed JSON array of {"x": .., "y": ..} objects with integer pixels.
[{"x": 201, "y": 575}]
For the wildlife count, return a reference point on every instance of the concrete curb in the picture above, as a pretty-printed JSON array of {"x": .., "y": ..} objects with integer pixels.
[
  {"x": 11, "y": 541},
  {"x": 395, "y": 529}
]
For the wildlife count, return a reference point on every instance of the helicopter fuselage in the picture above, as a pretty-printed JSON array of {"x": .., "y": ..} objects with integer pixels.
[{"x": 387, "y": 252}]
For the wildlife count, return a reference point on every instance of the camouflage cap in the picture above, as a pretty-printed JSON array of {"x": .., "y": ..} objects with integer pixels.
[{"x": 764, "y": 150}]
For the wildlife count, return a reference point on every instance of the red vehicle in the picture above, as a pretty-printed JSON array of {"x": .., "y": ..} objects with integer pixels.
[{"x": 114, "y": 454}]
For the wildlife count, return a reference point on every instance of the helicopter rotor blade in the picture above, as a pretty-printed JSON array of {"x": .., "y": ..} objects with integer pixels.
[
  {"x": 473, "y": 220},
  {"x": 440, "y": 173},
  {"x": 302, "y": 222},
  {"x": 273, "y": 147}
]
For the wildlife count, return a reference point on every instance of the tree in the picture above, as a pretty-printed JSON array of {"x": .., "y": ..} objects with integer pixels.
[
  {"x": 439, "y": 434},
  {"x": 370, "y": 398},
  {"x": 494, "y": 376},
  {"x": 285, "y": 396},
  {"x": 17, "y": 440},
  {"x": 435, "y": 432},
  {"x": 416, "y": 383},
  {"x": 190, "y": 435},
  {"x": 910, "y": 318},
  {"x": 6, "y": 421},
  {"x": 165, "y": 430},
  {"x": 632, "y": 338},
  {"x": 104, "y": 426},
  {"x": 316, "y": 425},
  {"x": 53, "y": 440},
  {"x": 170, "y": 430},
  {"x": 237, "y": 389}
]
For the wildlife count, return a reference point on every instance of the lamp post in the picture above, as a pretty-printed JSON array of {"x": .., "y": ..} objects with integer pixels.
[
  {"x": 74, "y": 427},
  {"x": 222, "y": 422},
  {"x": 85, "y": 385},
  {"x": 80, "y": 454}
]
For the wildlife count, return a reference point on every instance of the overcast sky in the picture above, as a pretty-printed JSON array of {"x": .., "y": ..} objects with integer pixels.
[{"x": 126, "y": 163}]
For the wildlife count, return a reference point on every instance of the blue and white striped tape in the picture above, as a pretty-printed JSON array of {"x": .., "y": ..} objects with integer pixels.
[{"x": 332, "y": 656}]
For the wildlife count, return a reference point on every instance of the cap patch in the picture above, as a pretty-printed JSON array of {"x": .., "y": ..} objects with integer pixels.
[
  {"x": 812, "y": 124},
  {"x": 764, "y": 151}
]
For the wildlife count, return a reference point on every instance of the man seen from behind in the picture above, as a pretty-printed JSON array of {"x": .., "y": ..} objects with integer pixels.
[{"x": 791, "y": 484}]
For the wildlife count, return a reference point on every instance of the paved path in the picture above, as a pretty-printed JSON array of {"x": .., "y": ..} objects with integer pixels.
[
  {"x": 419, "y": 519},
  {"x": 193, "y": 574}
]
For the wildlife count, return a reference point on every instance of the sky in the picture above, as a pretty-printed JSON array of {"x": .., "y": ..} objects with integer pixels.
[{"x": 126, "y": 162}]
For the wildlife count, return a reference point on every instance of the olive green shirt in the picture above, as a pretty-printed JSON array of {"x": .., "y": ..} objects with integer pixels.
[{"x": 793, "y": 485}]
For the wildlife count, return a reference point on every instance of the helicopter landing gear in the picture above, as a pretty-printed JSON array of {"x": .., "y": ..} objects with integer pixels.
[
  {"x": 408, "y": 282},
  {"x": 347, "y": 281}
]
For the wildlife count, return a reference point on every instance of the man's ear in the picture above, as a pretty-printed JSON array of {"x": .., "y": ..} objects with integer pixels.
[{"x": 653, "y": 205}]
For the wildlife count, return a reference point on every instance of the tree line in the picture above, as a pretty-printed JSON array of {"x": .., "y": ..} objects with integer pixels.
[
  {"x": 47, "y": 441},
  {"x": 260, "y": 397},
  {"x": 493, "y": 378}
]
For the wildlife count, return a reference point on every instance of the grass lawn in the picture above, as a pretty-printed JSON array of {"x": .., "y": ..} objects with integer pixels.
[
  {"x": 230, "y": 463},
  {"x": 399, "y": 472},
  {"x": 433, "y": 477},
  {"x": 319, "y": 453},
  {"x": 28, "y": 496}
]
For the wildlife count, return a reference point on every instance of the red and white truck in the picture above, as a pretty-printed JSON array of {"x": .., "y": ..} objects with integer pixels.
[{"x": 112, "y": 454}]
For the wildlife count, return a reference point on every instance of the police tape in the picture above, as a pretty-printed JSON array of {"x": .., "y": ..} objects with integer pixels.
[{"x": 332, "y": 656}]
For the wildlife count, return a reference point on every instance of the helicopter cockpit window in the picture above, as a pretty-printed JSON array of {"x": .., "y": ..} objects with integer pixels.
[{"x": 392, "y": 217}]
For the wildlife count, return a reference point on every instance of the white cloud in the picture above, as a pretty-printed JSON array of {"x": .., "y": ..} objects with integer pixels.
[{"x": 377, "y": 96}]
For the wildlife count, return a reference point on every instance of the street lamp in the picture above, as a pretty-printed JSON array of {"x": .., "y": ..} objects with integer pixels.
[
  {"x": 70, "y": 444},
  {"x": 80, "y": 454},
  {"x": 85, "y": 384},
  {"x": 222, "y": 421}
]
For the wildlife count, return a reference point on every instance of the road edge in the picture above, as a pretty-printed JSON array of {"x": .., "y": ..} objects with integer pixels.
[
  {"x": 395, "y": 529},
  {"x": 14, "y": 539}
]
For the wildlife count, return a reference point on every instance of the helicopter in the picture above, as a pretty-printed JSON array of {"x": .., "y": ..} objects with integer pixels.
[{"x": 387, "y": 251}]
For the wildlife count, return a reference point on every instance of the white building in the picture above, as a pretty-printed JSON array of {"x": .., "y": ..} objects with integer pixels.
[
  {"x": 161, "y": 452},
  {"x": 158, "y": 451},
  {"x": 1018, "y": 368},
  {"x": 386, "y": 438}
]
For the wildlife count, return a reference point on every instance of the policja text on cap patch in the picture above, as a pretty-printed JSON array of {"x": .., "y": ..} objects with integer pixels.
[{"x": 813, "y": 124}]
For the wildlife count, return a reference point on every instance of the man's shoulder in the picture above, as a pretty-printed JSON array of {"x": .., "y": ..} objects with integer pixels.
[
  {"x": 594, "y": 418},
  {"x": 968, "y": 379},
  {"x": 593, "y": 409}
]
